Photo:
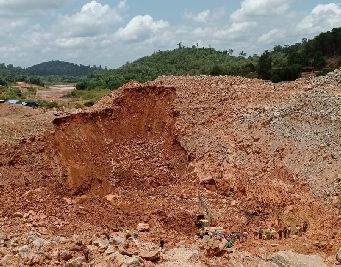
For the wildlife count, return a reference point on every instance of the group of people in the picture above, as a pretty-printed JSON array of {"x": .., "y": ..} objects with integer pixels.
[
  {"x": 261, "y": 233},
  {"x": 281, "y": 232}
]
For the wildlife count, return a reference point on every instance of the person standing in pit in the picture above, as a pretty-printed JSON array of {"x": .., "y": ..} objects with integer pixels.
[
  {"x": 229, "y": 244},
  {"x": 296, "y": 230},
  {"x": 260, "y": 232},
  {"x": 305, "y": 226},
  {"x": 268, "y": 233},
  {"x": 285, "y": 232},
  {"x": 280, "y": 233},
  {"x": 289, "y": 231},
  {"x": 162, "y": 244}
]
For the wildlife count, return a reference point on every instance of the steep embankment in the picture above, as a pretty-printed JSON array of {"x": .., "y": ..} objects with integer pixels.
[{"x": 131, "y": 145}]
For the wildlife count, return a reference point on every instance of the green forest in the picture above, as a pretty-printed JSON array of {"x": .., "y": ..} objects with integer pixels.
[
  {"x": 283, "y": 63},
  {"x": 286, "y": 63}
]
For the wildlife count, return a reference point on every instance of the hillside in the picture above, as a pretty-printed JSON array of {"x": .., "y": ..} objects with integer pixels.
[
  {"x": 60, "y": 68},
  {"x": 282, "y": 63},
  {"x": 287, "y": 63},
  {"x": 181, "y": 61}
]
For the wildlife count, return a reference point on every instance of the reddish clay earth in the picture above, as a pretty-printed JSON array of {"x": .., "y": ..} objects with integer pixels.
[{"x": 261, "y": 153}]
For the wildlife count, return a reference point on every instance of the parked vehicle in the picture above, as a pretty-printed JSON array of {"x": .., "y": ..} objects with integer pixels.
[{"x": 31, "y": 104}]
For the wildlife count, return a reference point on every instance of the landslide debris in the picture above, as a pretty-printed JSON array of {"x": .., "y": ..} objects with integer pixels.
[{"x": 262, "y": 153}]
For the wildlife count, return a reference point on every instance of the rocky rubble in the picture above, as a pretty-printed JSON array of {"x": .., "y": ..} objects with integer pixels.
[
  {"x": 291, "y": 259},
  {"x": 35, "y": 249},
  {"x": 331, "y": 79}
]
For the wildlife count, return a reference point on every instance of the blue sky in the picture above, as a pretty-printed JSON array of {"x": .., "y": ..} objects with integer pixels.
[{"x": 112, "y": 32}]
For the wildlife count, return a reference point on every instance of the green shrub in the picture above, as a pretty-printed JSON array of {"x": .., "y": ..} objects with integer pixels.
[
  {"x": 32, "y": 91},
  {"x": 93, "y": 95},
  {"x": 12, "y": 93},
  {"x": 79, "y": 106},
  {"x": 217, "y": 70},
  {"x": 89, "y": 103},
  {"x": 47, "y": 104}
]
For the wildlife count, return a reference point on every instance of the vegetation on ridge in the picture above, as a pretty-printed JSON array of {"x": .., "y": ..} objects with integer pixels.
[{"x": 282, "y": 63}]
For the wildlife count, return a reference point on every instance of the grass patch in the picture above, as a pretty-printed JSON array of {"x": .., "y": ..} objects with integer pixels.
[
  {"x": 89, "y": 95},
  {"x": 8, "y": 93},
  {"x": 47, "y": 104},
  {"x": 79, "y": 106}
]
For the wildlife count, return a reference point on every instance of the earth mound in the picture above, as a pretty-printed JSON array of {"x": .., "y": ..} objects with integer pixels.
[{"x": 261, "y": 153}]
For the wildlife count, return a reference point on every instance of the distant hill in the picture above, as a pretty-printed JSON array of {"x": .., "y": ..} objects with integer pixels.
[
  {"x": 181, "y": 61},
  {"x": 282, "y": 63},
  {"x": 60, "y": 68}
]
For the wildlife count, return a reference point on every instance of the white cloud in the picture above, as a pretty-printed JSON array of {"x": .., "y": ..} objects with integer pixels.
[
  {"x": 201, "y": 17},
  {"x": 91, "y": 20},
  {"x": 235, "y": 30},
  {"x": 141, "y": 28},
  {"x": 96, "y": 31},
  {"x": 250, "y": 8},
  {"x": 270, "y": 36},
  {"x": 323, "y": 17},
  {"x": 122, "y": 4},
  {"x": 76, "y": 42}
]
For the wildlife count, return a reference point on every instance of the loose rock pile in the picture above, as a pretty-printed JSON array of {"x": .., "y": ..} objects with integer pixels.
[
  {"x": 35, "y": 249},
  {"x": 331, "y": 79}
]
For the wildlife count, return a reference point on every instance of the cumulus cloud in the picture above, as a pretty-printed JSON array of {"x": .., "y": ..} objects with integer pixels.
[
  {"x": 251, "y": 8},
  {"x": 38, "y": 30},
  {"x": 91, "y": 20},
  {"x": 270, "y": 36},
  {"x": 201, "y": 17},
  {"x": 323, "y": 17},
  {"x": 122, "y": 4},
  {"x": 235, "y": 30},
  {"x": 141, "y": 28}
]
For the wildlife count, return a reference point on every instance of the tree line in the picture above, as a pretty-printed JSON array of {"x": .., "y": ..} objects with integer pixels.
[
  {"x": 282, "y": 63},
  {"x": 286, "y": 63}
]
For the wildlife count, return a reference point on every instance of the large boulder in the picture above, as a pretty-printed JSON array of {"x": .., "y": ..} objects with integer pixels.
[
  {"x": 129, "y": 248},
  {"x": 150, "y": 255},
  {"x": 292, "y": 259},
  {"x": 28, "y": 257},
  {"x": 77, "y": 262},
  {"x": 128, "y": 251},
  {"x": 65, "y": 255},
  {"x": 102, "y": 244},
  {"x": 214, "y": 248},
  {"x": 123, "y": 260},
  {"x": 110, "y": 250},
  {"x": 117, "y": 240}
]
